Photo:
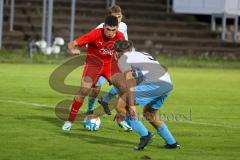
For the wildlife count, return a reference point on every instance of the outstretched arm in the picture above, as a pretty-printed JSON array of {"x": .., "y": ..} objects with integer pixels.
[{"x": 72, "y": 46}]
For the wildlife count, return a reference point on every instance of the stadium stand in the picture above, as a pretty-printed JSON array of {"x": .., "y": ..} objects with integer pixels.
[{"x": 150, "y": 27}]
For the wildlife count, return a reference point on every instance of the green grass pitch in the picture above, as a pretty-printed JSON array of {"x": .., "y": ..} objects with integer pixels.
[{"x": 202, "y": 112}]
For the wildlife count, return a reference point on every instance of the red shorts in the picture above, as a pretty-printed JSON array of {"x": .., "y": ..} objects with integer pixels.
[{"x": 94, "y": 71}]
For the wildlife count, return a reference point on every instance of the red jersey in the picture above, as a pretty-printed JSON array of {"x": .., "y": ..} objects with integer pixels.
[{"x": 98, "y": 44}]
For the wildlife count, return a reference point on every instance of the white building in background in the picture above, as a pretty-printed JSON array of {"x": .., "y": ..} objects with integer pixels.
[
  {"x": 207, "y": 6},
  {"x": 223, "y": 9}
]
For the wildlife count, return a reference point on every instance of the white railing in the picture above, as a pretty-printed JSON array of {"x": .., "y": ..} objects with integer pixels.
[
  {"x": 169, "y": 6},
  {"x": 47, "y": 14},
  {"x": 11, "y": 22},
  {"x": 1, "y": 22},
  {"x": 11, "y": 15}
]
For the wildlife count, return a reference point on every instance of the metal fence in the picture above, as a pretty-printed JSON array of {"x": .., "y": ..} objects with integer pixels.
[
  {"x": 47, "y": 17},
  {"x": 2, "y": 3}
]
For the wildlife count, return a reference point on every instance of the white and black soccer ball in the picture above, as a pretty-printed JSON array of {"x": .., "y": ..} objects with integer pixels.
[{"x": 92, "y": 123}]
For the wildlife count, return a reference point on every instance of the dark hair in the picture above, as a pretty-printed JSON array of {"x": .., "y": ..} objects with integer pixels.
[
  {"x": 111, "y": 21},
  {"x": 123, "y": 45}
]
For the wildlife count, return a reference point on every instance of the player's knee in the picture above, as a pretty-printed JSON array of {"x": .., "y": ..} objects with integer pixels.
[
  {"x": 149, "y": 115},
  {"x": 79, "y": 98},
  {"x": 84, "y": 91},
  {"x": 94, "y": 92}
]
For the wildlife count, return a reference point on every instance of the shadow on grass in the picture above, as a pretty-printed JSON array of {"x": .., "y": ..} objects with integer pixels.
[
  {"x": 95, "y": 138},
  {"x": 88, "y": 136}
]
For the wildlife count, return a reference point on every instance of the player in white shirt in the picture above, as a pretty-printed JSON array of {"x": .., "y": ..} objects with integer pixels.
[{"x": 148, "y": 84}]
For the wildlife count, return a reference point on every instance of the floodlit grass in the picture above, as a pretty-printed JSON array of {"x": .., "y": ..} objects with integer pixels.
[{"x": 30, "y": 129}]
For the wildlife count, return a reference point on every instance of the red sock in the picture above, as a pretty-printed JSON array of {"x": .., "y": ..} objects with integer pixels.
[{"x": 74, "y": 110}]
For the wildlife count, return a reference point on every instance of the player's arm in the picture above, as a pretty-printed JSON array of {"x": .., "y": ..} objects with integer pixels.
[
  {"x": 74, "y": 45},
  {"x": 131, "y": 82},
  {"x": 121, "y": 106}
]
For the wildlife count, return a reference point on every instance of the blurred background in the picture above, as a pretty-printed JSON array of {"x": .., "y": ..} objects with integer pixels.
[
  {"x": 199, "y": 29},
  {"x": 198, "y": 40}
]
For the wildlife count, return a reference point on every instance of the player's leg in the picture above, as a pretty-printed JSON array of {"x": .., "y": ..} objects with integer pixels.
[
  {"x": 115, "y": 77},
  {"x": 87, "y": 81},
  {"x": 77, "y": 103},
  {"x": 92, "y": 99},
  {"x": 121, "y": 115},
  {"x": 93, "y": 94},
  {"x": 147, "y": 95},
  {"x": 118, "y": 80},
  {"x": 111, "y": 93},
  {"x": 107, "y": 97},
  {"x": 145, "y": 135},
  {"x": 120, "y": 118},
  {"x": 89, "y": 78},
  {"x": 150, "y": 113}
]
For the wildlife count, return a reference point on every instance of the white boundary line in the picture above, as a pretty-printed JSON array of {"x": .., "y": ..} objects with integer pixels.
[
  {"x": 25, "y": 103},
  {"x": 210, "y": 124},
  {"x": 189, "y": 122}
]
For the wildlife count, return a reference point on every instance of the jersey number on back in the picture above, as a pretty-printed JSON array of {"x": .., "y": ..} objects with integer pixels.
[{"x": 150, "y": 57}]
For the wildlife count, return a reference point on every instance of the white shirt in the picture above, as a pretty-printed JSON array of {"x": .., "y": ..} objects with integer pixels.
[
  {"x": 122, "y": 28},
  {"x": 152, "y": 70}
]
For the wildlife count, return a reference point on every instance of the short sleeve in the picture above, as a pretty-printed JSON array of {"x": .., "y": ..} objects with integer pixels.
[
  {"x": 123, "y": 64},
  {"x": 87, "y": 38}
]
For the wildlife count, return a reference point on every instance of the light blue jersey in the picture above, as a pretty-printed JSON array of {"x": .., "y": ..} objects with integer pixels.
[{"x": 154, "y": 82}]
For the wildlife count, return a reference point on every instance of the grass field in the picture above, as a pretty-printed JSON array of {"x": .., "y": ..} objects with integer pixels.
[{"x": 29, "y": 128}]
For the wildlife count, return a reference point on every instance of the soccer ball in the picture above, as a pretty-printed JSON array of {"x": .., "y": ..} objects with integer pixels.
[{"x": 92, "y": 123}]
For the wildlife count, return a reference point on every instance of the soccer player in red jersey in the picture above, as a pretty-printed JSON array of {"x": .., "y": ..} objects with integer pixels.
[{"x": 100, "y": 61}]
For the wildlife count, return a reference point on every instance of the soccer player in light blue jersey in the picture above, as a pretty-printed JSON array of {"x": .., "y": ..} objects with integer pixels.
[{"x": 148, "y": 84}]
